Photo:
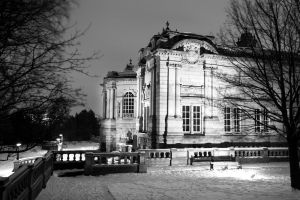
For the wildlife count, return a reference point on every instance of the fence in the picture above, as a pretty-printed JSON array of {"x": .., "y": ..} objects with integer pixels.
[
  {"x": 104, "y": 163},
  {"x": 28, "y": 180},
  {"x": 158, "y": 156},
  {"x": 69, "y": 159}
]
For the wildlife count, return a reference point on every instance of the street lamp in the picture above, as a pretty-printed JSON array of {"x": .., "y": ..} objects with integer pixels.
[
  {"x": 58, "y": 144},
  {"x": 61, "y": 138},
  {"x": 18, "y": 146}
]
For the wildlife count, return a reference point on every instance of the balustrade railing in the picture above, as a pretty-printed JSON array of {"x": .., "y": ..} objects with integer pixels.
[
  {"x": 28, "y": 180},
  {"x": 278, "y": 152},
  {"x": 158, "y": 155},
  {"x": 69, "y": 159},
  {"x": 250, "y": 152},
  {"x": 24, "y": 161},
  {"x": 102, "y": 163}
]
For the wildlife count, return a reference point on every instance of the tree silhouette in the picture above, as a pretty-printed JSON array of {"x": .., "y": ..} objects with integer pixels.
[{"x": 266, "y": 67}]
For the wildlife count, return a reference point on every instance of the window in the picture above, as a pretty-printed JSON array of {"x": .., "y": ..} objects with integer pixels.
[
  {"x": 128, "y": 105},
  {"x": 192, "y": 119},
  {"x": 257, "y": 117},
  {"x": 236, "y": 120},
  {"x": 186, "y": 118},
  {"x": 227, "y": 119},
  {"x": 261, "y": 121},
  {"x": 266, "y": 121},
  {"x": 196, "y": 118}
]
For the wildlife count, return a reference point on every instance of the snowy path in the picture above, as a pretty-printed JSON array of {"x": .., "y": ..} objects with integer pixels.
[{"x": 261, "y": 181}]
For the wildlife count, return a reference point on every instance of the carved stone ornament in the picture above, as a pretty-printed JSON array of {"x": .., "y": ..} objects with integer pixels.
[{"x": 191, "y": 57}]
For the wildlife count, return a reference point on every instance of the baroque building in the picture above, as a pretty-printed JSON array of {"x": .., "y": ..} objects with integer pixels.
[{"x": 172, "y": 98}]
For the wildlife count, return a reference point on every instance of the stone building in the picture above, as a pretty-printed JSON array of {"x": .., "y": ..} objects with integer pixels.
[
  {"x": 176, "y": 97},
  {"x": 119, "y": 100}
]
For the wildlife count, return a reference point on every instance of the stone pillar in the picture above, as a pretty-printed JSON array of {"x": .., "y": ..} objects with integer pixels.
[
  {"x": 108, "y": 103},
  {"x": 114, "y": 103},
  {"x": 171, "y": 91},
  {"x": 111, "y": 103},
  {"x": 177, "y": 92}
]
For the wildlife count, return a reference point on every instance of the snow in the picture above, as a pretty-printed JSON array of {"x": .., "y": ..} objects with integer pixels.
[
  {"x": 80, "y": 145},
  {"x": 257, "y": 181},
  {"x": 6, "y": 166}
]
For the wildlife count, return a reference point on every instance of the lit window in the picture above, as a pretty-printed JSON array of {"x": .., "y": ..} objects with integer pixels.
[
  {"x": 236, "y": 120},
  {"x": 196, "y": 118},
  {"x": 191, "y": 117},
  {"x": 186, "y": 118},
  {"x": 261, "y": 121},
  {"x": 257, "y": 116},
  {"x": 227, "y": 119},
  {"x": 266, "y": 121},
  {"x": 128, "y": 105}
]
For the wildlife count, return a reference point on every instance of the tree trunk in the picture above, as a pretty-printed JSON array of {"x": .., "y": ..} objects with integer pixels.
[{"x": 294, "y": 163}]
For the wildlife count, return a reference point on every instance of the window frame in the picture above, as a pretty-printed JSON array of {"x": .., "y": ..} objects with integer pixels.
[
  {"x": 192, "y": 119},
  {"x": 128, "y": 107}
]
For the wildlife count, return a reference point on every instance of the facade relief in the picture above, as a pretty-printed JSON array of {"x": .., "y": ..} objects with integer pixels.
[{"x": 188, "y": 90}]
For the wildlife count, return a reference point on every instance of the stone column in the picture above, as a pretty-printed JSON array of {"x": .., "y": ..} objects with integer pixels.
[
  {"x": 111, "y": 104},
  {"x": 171, "y": 91},
  {"x": 107, "y": 103},
  {"x": 177, "y": 91}
]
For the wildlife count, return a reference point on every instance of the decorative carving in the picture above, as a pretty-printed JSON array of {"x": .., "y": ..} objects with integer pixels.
[
  {"x": 187, "y": 90},
  {"x": 194, "y": 45},
  {"x": 146, "y": 91}
]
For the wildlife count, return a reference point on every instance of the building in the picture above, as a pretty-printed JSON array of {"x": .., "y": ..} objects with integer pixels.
[{"x": 174, "y": 97}]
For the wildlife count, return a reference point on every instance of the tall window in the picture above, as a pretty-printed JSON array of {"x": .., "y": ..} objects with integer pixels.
[
  {"x": 261, "y": 121},
  {"x": 236, "y": 120},
  {"x": 266, "y": 121},
  {"x": 196, "y": 118},
  {"x": 257, "y": 116},
  {"x": 128, "y": 105},
  {"x": 192, "y": 119},
  {"x": 186, "y": 118},
  {"x": 227, "y": 119}
]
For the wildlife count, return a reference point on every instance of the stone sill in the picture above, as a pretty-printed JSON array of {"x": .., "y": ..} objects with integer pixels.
[{"x": 193, "y": 134}]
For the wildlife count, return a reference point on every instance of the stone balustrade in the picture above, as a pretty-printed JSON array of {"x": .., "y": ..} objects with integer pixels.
[
  {"x": 124, "y": 162},
  {"x": 250, "y": 152},
  {"x": 278, "y": 152},
  {"x": 158, "y": 156},
  {"x": 24, "y": 161},
  {"x": 28, "y": 180},
  {"x": 70, "y": 159}
]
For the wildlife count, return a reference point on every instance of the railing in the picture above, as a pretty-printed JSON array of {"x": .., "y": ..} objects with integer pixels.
[
  {"x": 70, "y": 159},
  {"x": 103, "y": 163},
  {"x": 25, "y": 161},
  {"x": 278, "y": 152},
  {"x": 154, "y": 156},
  {"x": 28, "y": 180},
  {"x": 250, "y": 152}
]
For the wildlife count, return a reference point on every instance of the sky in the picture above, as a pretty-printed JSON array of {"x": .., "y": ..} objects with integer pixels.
[{"x": 118, "y": 29}]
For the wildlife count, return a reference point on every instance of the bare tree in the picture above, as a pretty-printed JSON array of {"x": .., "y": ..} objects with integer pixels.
[
  {"x": 267, "y": 66},
  {"x": 37, "y": 55}
]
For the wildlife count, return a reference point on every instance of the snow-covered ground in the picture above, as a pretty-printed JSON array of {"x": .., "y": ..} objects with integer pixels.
[
  {"x": 256, "y": 181},
  {"x": 6, "y": 166}
]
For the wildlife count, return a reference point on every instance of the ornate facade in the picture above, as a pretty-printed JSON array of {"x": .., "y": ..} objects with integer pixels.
[{"x": 175, "y": 95}]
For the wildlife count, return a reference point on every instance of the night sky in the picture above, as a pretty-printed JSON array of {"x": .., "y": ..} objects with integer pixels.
[{"x": 120, "y": 28}]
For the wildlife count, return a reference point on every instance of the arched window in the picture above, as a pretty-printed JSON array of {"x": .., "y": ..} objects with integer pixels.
[{"x": 128, "y": 105}]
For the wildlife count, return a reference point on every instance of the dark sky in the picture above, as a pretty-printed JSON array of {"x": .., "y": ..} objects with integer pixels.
[{"x": 119, "y": 28}]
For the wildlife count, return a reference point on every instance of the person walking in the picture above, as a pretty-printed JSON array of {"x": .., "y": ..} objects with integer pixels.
[{"x": 211, "y": 164}]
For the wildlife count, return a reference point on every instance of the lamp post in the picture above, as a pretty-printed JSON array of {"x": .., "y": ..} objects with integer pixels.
[
  {"x": 58, "y": 144},
  {"x": 18, "y": 146},
  {"x": 61, "y": 138}
]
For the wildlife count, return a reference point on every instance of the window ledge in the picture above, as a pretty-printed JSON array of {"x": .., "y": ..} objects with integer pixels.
[{"x": 193, "y": 134}]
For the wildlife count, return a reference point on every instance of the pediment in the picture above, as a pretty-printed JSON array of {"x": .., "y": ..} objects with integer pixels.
[{"x": 194, "y": 45}]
